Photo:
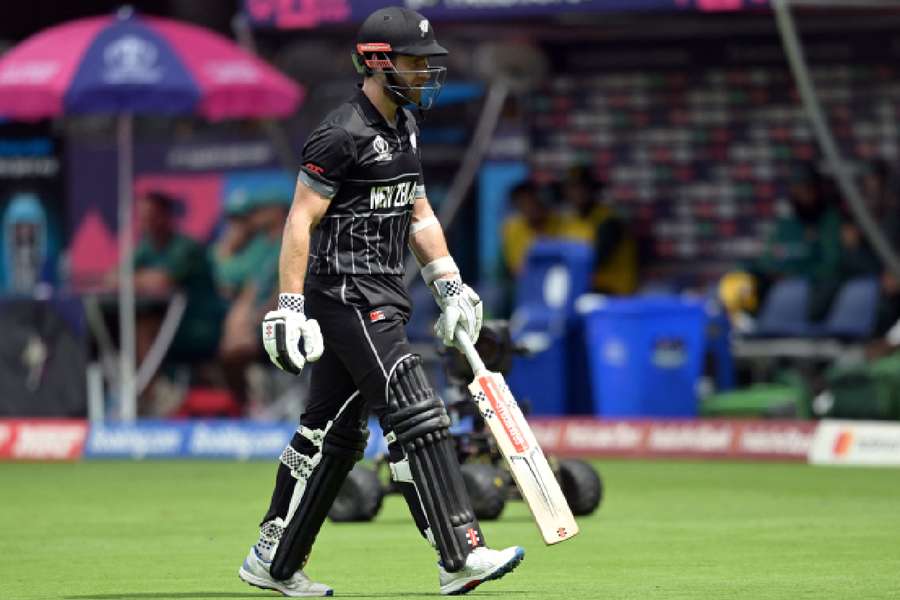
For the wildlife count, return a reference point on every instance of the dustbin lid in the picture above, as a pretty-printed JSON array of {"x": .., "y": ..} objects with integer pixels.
[{"x": 648, "y": 305}]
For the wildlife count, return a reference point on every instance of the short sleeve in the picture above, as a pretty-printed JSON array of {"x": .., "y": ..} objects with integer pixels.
[
  {"x": 420, "y": 184},
  {"x": 327, "y": 157}
]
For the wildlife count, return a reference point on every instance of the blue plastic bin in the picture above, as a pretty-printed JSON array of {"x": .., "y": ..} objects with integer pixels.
[
  {"x": 539, "y": 382},
  {"x": 645, "y": 356},
  {"x": 556, "y": 272}
]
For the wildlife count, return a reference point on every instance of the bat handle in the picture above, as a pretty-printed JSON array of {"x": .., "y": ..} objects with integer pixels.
[{"x": 465, "y": 345}]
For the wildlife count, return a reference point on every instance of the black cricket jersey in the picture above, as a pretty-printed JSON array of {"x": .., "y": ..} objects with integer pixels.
[{"x": 372, "y": 173}]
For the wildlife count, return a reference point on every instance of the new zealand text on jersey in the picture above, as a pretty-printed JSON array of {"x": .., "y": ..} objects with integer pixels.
[{"x": 387, "y": 196}]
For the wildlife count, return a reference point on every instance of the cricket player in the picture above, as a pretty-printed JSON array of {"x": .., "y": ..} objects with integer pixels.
[{"x": 360, "y": 199}]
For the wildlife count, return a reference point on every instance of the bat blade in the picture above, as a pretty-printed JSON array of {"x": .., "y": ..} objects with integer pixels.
[{"x": 526, "y": 460}]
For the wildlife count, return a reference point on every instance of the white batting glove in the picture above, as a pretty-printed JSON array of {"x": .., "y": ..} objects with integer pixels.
[
  {"x": 283, "y": 330},
  {"x": 460, "y": 307}
]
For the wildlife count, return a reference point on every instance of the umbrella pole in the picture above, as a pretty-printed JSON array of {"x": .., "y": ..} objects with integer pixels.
[{"x": 127, "y": 388}]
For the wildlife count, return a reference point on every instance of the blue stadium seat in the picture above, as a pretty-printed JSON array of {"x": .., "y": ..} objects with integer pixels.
[
  {"x": 784, "y": 310},
  {"x": 853, "y": 313}
]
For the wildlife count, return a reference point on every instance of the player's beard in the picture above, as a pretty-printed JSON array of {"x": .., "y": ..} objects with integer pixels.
[
  {"x": 404, "y": 92},
  {"x": 414, "y": 94}
]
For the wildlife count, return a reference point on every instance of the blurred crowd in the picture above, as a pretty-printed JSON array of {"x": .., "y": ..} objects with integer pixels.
[
  {"x": 576, "y": 209},
  {"x": 232, "y": 282},
  {"x": 816, "y": 238},
  {"x": 228, "y": 285}
]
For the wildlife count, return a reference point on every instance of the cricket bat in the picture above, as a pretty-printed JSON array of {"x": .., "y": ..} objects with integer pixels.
[{"x": 517, "y": 443}]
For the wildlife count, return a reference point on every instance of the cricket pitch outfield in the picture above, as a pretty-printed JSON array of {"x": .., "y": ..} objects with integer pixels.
[{"x": 179, "y": 530}]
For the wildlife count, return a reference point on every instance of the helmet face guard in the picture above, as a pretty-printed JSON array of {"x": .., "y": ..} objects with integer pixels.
[
  {"x": 399, "y": 31},
  {"x": 376, "y": 58}
]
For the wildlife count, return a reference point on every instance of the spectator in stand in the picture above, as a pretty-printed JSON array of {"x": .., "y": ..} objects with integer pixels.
[
  {"x": 254, "y": 287},
  {"x": 165, "y": 262},
  {"x": 858, "y": 258},
  {"x": 584, "y": 216},
  {"x": 531, "y": 218},
  {"x": 230, "y": 254},
  {"x": 805, "y": 242}
]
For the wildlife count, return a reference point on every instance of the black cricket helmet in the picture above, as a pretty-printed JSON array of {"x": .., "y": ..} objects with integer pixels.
[{"x": 395, "y": 30}]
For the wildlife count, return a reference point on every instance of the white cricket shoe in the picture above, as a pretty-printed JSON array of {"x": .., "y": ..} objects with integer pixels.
[
  {"x": 482, "y": 564},
  {"x": 255, "y": 571}
]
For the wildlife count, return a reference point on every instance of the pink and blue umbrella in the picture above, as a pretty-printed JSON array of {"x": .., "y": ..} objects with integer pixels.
[
  {"x": 128, "y": 65},
  {"x": 139, "y": 65}
]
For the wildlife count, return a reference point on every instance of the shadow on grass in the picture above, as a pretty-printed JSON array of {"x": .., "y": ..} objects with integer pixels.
[
  {"x": 429, "y": 595},
  {"x": 407, "y": 520},
  {"x": 165, "y": 595},
  {"x": 259, "y": 594}
]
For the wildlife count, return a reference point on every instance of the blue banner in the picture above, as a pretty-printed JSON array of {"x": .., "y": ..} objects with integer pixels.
[
  {"x": 223, "y": 439},
  {"x": 137, "y": 441},
  {"x": 305, "y": 14}
]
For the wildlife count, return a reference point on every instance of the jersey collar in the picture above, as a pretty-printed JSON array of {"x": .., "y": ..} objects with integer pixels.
[{"x": 371, "y": 114}]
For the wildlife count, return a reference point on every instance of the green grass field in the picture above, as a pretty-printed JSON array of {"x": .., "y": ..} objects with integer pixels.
[{"x": 157, "y": 530}]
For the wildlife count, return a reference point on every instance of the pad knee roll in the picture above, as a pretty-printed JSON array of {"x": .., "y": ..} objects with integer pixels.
[
  {"x": 342, "y": 447},
  {"x": 419, "y": 422}
]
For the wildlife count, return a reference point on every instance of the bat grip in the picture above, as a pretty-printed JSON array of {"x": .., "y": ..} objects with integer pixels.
[{"x": 465, "y": 345}]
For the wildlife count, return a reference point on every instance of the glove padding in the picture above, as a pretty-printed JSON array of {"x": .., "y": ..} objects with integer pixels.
[
  {"x": 460, "y": 307},
  {"x": 283, "y": 330}
]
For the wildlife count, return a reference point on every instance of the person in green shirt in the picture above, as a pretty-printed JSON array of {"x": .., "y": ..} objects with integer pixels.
[
  {"x": 254, "y": 272},
  {"x": 167, "y": 261},
  {"x": 858, "y": 258},
  {"x": 805, "y": 242},
  {"x": 240, "y": 249}
]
